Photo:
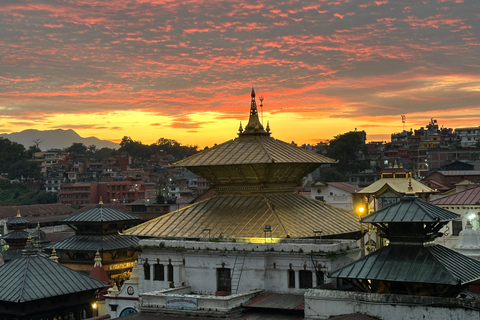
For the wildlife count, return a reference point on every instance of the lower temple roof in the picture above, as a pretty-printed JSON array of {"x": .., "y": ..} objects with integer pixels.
[
  {"x": 34, "y": 277},
  {"x": 94, "y": 242},
  {"x": 433, "y": 264},
  {"x": 246, "y": 215}
]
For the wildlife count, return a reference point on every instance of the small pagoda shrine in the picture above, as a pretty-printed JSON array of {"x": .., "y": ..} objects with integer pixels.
[
  {"x": 97, "y": 229},
  {"x": 393, "y": 184},
  {"x": 411, "y": 264},
  {"x": 35, "y": 287},
  {"x": 16, "y": 239}
]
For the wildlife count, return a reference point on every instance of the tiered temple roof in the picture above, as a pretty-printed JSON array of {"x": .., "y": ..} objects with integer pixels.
[
  {"x": 254, "y": 176},
  {"x": 411, "y": 263}
]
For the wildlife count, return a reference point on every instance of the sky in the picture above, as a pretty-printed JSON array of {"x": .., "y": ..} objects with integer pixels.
[{"x": 184, "y": 70}]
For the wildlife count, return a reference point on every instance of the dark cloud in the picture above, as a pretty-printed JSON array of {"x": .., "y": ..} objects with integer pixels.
[{"x": 344, "y": 58}]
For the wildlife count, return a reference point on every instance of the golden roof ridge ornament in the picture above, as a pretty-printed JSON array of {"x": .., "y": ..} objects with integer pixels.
[
  {"x": 410, "y": 191},
  {"x": 18, "y": 213},
  {"x": 254, "y": 126}
]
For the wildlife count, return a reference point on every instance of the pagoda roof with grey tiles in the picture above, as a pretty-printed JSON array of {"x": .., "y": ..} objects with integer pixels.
[
  {"x": 411, "y": 209},
  {"x": 434, "y": 264},
  {"x": 101, "y": 214},
  {"x": 95, "y": 242},
  {"x": 34, "y": 277}
]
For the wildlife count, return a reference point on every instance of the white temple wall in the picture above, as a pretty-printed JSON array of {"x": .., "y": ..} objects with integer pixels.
[
  {"x": 261, "y": 266},
  {"x": 323, "y": 304}
]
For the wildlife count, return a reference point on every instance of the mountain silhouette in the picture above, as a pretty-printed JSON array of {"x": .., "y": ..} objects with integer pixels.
[{"x": 55, "y": 139}]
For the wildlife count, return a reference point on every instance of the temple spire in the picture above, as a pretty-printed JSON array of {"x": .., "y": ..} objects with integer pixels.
[{"x": 254, "y": 126}]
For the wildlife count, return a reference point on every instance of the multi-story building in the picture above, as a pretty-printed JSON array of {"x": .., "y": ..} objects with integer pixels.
[{"x": 467, "y": 137}]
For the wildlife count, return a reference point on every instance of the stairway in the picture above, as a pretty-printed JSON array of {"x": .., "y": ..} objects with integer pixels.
[{"x": 237, "y": 271}]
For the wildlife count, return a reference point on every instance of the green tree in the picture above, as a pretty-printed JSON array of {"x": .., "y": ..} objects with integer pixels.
[
  {"x": 77, "y": 148},
  {"x": 31, "y": 151},
  {"x": 14, "y": 160},
  {"x": 173, "y": 147},
  {"x": 135, "y": 148},
  {"x": 103, "y": 153},
  {"x": 348, "y": 149}
]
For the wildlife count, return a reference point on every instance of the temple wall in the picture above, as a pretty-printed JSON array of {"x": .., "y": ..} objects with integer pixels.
[
  {"x": 262, "y": 266},
  {"x": 322, "y": 304}
]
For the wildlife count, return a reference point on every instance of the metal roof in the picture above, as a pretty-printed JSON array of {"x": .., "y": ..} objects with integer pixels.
[
  {"x": 33, "y": 277},
  {"x": 253, "y": 150},
  {"x": 238, "y": 216},
  {"x": 399, "y": 185},
  {"x": 410, "y": 209},
  {"x": 94, "y": 242},
  {"x": 52, "y": 210},
  {"x": 16, "y": 235},
  {"x": 465, "y": 197},
  {"x": 351, "y": 188},
  {"x": 18, "y": 221},
  {"x": 433, "y": 264},
  {"x": 459, "y": 172},
  {"x": 101, "y": 213},
  {"x": 272, "y": 300}
]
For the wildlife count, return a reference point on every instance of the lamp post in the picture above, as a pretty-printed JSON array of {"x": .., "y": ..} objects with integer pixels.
[{"x": 361, "y": 211}]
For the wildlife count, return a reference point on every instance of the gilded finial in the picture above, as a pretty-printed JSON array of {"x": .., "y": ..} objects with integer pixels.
[
  {"x": 268, "y": 127},
  {"x": 54, "y": 256},
  {"x": 100, "y": 201},
  {"x": 98, "y": 260},
  {"x": 240, "y": 129},
  {"x": 18, "y": 213},
  {"x": 254, "y": 126},
  {"x": 410, "y": 191}
]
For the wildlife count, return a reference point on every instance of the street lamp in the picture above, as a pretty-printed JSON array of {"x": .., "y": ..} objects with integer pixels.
[{"x": 361, "y": 211}]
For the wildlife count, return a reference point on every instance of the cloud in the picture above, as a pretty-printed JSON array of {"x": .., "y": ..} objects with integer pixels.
[{"x": 338, "y": 59}]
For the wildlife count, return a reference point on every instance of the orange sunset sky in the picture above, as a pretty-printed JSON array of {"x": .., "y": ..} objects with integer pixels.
[{"x": 184, "y": 69}]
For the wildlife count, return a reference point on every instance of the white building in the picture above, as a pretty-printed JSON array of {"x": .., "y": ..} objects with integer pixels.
[{"x": 339, "y": 194}]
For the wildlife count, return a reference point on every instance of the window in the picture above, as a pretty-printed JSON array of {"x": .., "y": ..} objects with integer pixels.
[
  {"x": 146, "y": 270},
  {"x": 456, "y": 227},
  {"x": 158, "y": 272},
  {"x": 305, "y": 279},
  {"x": 170, "y": 272},
  {"x": 224, "y": 280},
  {"x": 320, "y": 277},
  {"x": 291, "y": 278}
]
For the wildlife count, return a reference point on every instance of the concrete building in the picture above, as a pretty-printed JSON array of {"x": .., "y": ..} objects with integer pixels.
[{"x": 339, "y": 194}]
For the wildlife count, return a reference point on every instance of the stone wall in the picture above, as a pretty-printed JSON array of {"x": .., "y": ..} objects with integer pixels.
[{"x": 322, "y": 304}]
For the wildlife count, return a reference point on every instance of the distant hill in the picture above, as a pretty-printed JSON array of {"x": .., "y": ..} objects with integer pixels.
[{"x": 58, "y": 138}]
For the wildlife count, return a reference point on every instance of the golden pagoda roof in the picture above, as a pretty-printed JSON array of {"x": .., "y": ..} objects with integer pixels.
[
  {"x": 253, "y": 146},
  {"x": 245, "y": 216},
  {"x": 254, "y": 158},
  {"x": 253, "y": 150},
  {"x": 399, "y": 185}
]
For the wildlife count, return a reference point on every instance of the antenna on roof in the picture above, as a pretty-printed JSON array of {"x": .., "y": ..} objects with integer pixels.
[
  {"x": 261, "y": 105},
  {"x": 403, "y": 121}
]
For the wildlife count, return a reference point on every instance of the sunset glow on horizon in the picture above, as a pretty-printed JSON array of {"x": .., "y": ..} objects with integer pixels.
[{"x": 184, "y": 69}]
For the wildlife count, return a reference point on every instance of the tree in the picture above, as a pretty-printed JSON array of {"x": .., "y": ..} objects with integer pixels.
[
  {"x": 348, "y": 149},
  {"x": 174, "y": 148},
  {"x": 77, "y": 148},
  {"x": 331, "y": 174},
  {"x": 36, "y": 143},
  {"x": 31, "y": 151},
  {"x": 14, "y": 161},
  {"x": 103, "y": 153}
]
